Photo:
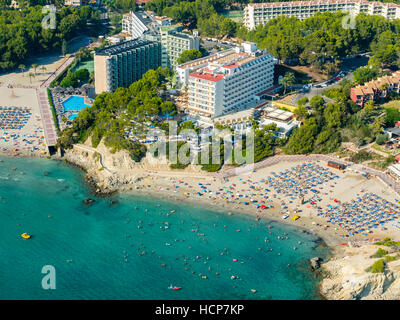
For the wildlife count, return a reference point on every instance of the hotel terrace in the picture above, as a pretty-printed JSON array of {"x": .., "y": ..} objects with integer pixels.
[
  {"x": 379, "y": 88},
  {"x": 260, "y": 13},
  {"x": 228, "y": 83}
]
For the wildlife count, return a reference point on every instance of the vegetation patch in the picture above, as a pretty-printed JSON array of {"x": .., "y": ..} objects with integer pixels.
[{"x": 377, "y": 267}]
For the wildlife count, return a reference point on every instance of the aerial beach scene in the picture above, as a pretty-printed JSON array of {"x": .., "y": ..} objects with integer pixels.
[{"x": 147, "y": 155}]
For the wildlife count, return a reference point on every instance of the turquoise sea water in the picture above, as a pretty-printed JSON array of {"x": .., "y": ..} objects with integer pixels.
[{"x": 118, "y": 251}]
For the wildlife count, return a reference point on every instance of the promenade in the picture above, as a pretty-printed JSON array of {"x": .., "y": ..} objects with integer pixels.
[{"x": 50, "y": 131}]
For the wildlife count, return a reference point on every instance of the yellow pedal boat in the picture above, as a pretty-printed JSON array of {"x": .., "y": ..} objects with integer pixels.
[{"x": 25, "y": 236}]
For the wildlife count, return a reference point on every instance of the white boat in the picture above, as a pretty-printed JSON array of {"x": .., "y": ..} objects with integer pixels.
[{"x": 285, "y": 216}]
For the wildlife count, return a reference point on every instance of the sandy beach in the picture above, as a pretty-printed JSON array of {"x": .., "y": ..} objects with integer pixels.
[
  {"x": 246, "y": 193},
  {"x": 21, "y": 130},
  {"x": 348, "y": 187}
]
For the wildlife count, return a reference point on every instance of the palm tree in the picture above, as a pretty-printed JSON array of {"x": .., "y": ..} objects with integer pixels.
[
  {"x": 43, "y": 68},
  {"x": 31, "y": 75},
  {"x": 22, "y": 67},
  {"x": 288, "y": 80},
  {"x": 35, "y": 66}
]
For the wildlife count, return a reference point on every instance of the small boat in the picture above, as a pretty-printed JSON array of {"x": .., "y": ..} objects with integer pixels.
[
  {"x": 25, "y": 236},
  {"x": 285, "y": 216},
  {"x": 171, "y": 287}
]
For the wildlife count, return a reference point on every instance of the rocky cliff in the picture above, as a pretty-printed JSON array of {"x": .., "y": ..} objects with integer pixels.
[
  {"x": 113, "y": 171},
  {"x": 346, "y": 278}
]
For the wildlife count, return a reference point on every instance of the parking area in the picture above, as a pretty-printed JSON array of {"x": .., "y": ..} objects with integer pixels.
[
  {"x": 210, "y": 43},
  {"x": 347, "y": 68}
]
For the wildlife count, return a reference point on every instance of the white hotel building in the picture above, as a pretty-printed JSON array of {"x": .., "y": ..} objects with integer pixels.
[
  {"x": 260, "y": 13},
  {"x": 228, "y": 83}
]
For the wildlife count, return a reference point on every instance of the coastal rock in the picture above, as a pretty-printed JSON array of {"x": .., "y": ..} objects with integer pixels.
[
  {"x": 315, "y": 263},
  {"x": 346, "y": 278},
  {"x": 88, "y": 201}
]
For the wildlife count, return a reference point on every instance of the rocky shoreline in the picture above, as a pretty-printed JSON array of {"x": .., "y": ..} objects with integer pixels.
[{"x": 345, "y": 276}]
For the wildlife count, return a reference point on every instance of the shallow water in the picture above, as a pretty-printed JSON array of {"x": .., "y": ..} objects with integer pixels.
[{"x": 118, "y": 251}]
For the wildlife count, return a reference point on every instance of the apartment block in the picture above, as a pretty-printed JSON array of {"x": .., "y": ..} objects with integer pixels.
[
  {"x": 173, "y": 43},
  {"x": 122, "y": 64},
  {"x": 260, "y": 13},
  {"x": 228, "y": 83},
  {"x": 144, "y": 24},
  {"x": 373, "y": 90},
  {"x": 136, "y": 24}
]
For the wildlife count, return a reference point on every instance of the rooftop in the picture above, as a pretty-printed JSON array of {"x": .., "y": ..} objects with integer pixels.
[
  {"x": 180, "y": 35},
  {"x": 235, "y": 117},
  {"x": 320, "y": 2},
  {"x": 371, "y": 86},
  {"x": 221, "y": 65},
  {"x": 395, "y": 130},
  {"x": 122, "y": 47},
  {"x": 206, "y": 59},
  {"x": 273, "y": 113},
  {"x": 207, "y": 76}
]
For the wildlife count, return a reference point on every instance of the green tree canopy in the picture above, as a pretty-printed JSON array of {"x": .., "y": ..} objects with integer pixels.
[{"x": 189, "y": 55}]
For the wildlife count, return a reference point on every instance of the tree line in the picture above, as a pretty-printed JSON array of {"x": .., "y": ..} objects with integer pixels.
[
  {"x": 112, "y": 114},
  {"x": 21, "y": 32}
]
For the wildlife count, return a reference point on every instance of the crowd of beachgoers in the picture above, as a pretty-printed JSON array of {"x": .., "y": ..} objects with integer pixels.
[
  {"x": 363, "y": 214},
  {"x": 306, "y": 195},
  {"x": 13, "y": 136},
  {"x": 14, "y": 117},
  {"x": 19, "y": 143}
]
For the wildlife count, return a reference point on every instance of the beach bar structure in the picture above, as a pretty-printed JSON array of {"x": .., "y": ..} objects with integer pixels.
[{"x": 336, "y": 165}]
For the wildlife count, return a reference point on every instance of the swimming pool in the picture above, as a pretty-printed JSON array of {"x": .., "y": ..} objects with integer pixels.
[{"x": 75, "y": 103}]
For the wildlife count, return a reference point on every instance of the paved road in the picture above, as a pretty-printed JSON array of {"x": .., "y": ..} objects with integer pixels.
[
  {"x": 209, "y": 44},
  {"x": 348, "y": 66},
  {"x": 57, "y": 72}
]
